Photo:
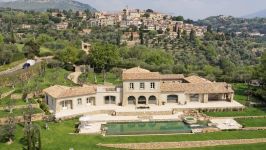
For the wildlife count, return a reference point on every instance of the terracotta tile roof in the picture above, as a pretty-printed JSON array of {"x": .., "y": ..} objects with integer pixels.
[
  {"x": 219, "y": 87},
  {"x": 136, "y": 70},
  {"x": 138, "y": 73},
  {"x": 172, "y": 76},
  {"x": 196, "y": 79},
  {"x": 58, "y": 91},
  {"x": 141, "y": 76}
]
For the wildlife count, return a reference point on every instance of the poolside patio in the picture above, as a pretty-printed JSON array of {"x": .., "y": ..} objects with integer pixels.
[{"x": 152, "y": 110}]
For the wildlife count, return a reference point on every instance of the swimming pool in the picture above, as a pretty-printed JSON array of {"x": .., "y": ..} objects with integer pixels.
[{"x": 158, "y": 127}]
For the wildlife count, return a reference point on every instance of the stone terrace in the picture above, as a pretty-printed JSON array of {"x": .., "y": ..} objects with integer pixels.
[{"x": 153, "y": 110}]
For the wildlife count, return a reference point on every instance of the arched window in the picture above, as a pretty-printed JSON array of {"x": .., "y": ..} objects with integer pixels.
[
  {"x": 131, "y": 100},
  {"x": 142, "y": 100},
  {"x": 152, "y": 100}
]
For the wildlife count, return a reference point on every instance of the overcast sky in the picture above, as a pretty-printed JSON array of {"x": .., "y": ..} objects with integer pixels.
[{"x": 193, "y": 9}]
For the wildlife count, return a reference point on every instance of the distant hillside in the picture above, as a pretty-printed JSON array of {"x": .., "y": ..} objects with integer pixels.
[
  {"x": 43, "y": 5},
  {"x": 259, "y": 14},
  {"x": 233, "y": 24}
]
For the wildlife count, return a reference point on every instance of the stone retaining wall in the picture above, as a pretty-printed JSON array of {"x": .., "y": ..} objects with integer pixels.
[
  {"x": 184, "y": 144},
  {"x": 109, "y": 112},
  {"x": 212, "y": 109},
  {"x": 6, "y": 94},
  {"x": 23, "y": 106},
  {"x": 254, "y": 128},
  {"x": 144, "y": 113},
  {"x": 19, "y": 119}
]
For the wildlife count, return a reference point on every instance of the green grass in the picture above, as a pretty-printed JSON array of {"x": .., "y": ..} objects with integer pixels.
[
  {"x": 20, "y": 46},
  {"x": 259, "y": 146},
  {"x": 240, "y": 96},
  {"x": 4, "y": 102},
  {"x": 11, "y": 65},
  {"x": 5, "y": 89},
  {"x": 42, "y": 49},
  {"x": 18, "y": 112},
  {"x": 249, "y": 111},
  {"x": 51, "y": 77},
  {"x": 252, "y": 122},
  {"x": 110, "y": 78},
  {"x": 58, "y": 137}
]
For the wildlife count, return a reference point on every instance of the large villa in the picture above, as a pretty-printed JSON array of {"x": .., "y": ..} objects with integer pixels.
[{"x": 142, "y": 90}]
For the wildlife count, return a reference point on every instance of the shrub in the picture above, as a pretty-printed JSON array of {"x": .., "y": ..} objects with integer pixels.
[{"x": 69, "y": 67}]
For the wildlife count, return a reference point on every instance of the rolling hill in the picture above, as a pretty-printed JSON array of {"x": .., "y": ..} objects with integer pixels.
[
  {"x": 259, "y": 14},
  {"x": 43, "y": 5}
]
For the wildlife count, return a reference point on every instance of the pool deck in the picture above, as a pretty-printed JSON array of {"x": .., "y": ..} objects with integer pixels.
[
  {"x": 153, "y": 108},
  {"x": 94, "y": 122}
]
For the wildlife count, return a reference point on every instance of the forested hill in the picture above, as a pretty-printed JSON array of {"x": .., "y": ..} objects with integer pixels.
[
  {"x": 43, "y": 5},
  {"x": 259, "y": 14},
  {"x": 232, "y": 24}
]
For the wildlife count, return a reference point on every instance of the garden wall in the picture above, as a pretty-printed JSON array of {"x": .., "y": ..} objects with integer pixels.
[{"x": 19, "y": 119}]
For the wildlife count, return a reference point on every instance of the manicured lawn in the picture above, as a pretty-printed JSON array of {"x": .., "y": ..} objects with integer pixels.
[
  {"x": 252, "y": 122},
  {"x": 58, "y": 137},
  {"x": 110, "y": 78},
  {"x": 250, "y": 111},
  {"x": 18, "y": 112}
]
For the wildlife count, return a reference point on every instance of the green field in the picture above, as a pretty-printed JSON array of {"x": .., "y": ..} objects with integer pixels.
[
  {"x": 249, "y": 111},
  {"x": 5, "y": 101},
  {"x": 252, "y": 122},
  {"x": 43, "y": 50},
  {"x": 58, "y": 137},
  {"x": 11, "y": 65},
  {"x": 18, "y": 112},
  {"x": 51, "y": 77},
  {"x": 110, "y": 78},
  {"x": 240, "y": 90}
]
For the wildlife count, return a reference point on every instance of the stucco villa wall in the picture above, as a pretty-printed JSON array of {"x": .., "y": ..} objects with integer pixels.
[
  {"x": 100, "y": 97},
  {"x": 75, "y": 104},
  {"x": 137, "y": 92},
  {"x": 99, "y": 100},
  {"x": 182, "y": 98},
  {"x": 51, "y": 102},
  {"x": 137, "y": 95}
]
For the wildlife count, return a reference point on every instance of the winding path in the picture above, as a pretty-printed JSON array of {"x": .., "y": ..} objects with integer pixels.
[
  {"x": 184, "y": 144},
  {"x": 74, "y": 76},
  {"x": 19, "y": 66}
]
